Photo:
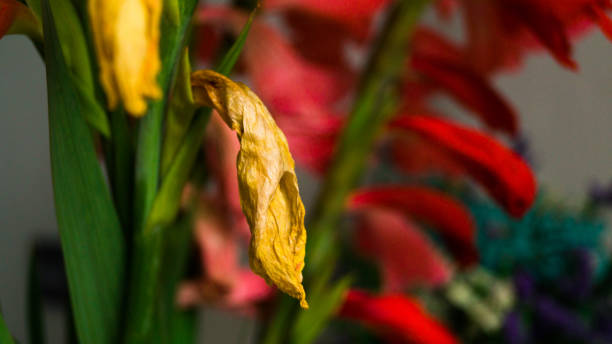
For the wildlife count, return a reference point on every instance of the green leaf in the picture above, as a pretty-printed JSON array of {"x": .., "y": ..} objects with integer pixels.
[
  {"x": 180, "y": 113},
  {"x": 324, "y": 303},
  {"x": 74, "y": 46},
  {"x": 119, "y": 158},
  {"x": 88, "y": 225},
  {"x": 148, "y": 151},
  {"x": 5, "y": 335},
  {"x": 175, "y": 325},
  {"x": 35, "y": 6}
]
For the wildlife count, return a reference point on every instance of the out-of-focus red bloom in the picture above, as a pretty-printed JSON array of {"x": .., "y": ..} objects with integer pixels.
[
  {"x": 415, "y": 155},
  {"x": 442, "y": 65},
  {"x": 503, "y": 173},
  {"x": 407, "y": 258},
  {"x": 356, "y": 14},
  {"x": 445, "y": 8},
  {"x": 395, "y": 316},
  {"x": 322, "y": 40},
  {"x": 500, "y": 31},
  {"x": 429, "y": 206}
]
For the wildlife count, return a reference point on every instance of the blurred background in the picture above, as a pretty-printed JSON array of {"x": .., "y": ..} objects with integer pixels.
[{"x": 566, "y": 117}]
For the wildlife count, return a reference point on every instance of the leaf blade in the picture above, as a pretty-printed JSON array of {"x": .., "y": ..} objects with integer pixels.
[{"x": 89, "y": 228}]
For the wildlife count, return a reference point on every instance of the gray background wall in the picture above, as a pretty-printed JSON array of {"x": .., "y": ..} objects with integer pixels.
[{"x": 566, "y": 115}]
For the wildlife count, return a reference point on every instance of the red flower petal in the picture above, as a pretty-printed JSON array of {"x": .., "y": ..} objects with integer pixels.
[
  {"x": 356, "y": 14},
  {"x": 395, "y": 316},
  {"x": 602, "y": 19},
  {"x": 320, "y": 40},
  {"x": 495, "y": 40},
  {"x": 445, "y": 8},
  {"x": 543, "y": 22},
  {"x": 406, "y": 256},
  {"x": 432, "y": 207},
  {"x": 503, "y": 173},
  {"x": 443, "y": 64},
  {"x": 413, "y": 154}
]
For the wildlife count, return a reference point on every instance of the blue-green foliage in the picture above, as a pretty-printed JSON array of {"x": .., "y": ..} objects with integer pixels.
[{"x": 541, "y": 242}]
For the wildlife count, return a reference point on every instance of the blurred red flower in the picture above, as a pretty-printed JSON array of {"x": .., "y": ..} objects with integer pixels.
[
  {"x": 431, "y": 207},
  {"x": 395, "y": 316},
  {"x": 501, "y": 31},
  {"x": 407, "y": 257},
  {"x": 503, "y": 173}
]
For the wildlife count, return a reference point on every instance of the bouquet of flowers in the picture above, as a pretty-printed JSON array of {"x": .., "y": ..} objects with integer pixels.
[{"x": 168, "y": 171}]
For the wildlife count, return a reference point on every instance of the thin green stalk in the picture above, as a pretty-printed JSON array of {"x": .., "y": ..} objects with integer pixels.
[
  {"x": 375, "y": 104},
  {"x": 146, "y": 252}
]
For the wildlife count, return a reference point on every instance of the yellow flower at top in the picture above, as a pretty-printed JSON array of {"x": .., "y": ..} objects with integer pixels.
[
  {"x": 126, "y": 38},
  {"x": 268, "y": 187}
]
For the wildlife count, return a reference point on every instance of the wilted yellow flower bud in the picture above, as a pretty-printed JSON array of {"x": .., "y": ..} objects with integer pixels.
[
  {"x": 126, "y": 38},
  {"x": 268, "y": 186}
]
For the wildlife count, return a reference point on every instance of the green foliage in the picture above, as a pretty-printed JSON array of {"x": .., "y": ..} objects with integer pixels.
[
  {"x": 163, "y": 202},
  {"x": 88, "y": 224},
  {"x": 74, "y": 46},
  {"x": 5, "y": 335}
]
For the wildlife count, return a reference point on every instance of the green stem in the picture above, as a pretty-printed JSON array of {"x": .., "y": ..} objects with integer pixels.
[
  {"x": 376, "y": 103},
  {"x": 119, "y": 154},
  {"x": 147, "y": 249}
]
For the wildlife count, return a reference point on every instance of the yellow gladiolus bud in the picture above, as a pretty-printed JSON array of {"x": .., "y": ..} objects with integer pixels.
[
  {"x": 268, "y": 186},
  {"x": 126, "y": 38}
]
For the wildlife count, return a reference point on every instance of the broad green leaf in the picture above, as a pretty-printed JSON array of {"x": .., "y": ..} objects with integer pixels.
[
  {"x": 5, "y": 335},
  {"x": 89, "y": 229}
]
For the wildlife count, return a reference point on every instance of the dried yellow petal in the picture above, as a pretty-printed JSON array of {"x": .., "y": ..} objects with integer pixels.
[
  {"x": 268, "y": 186},
  {"x": 126, "y": 39}
]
